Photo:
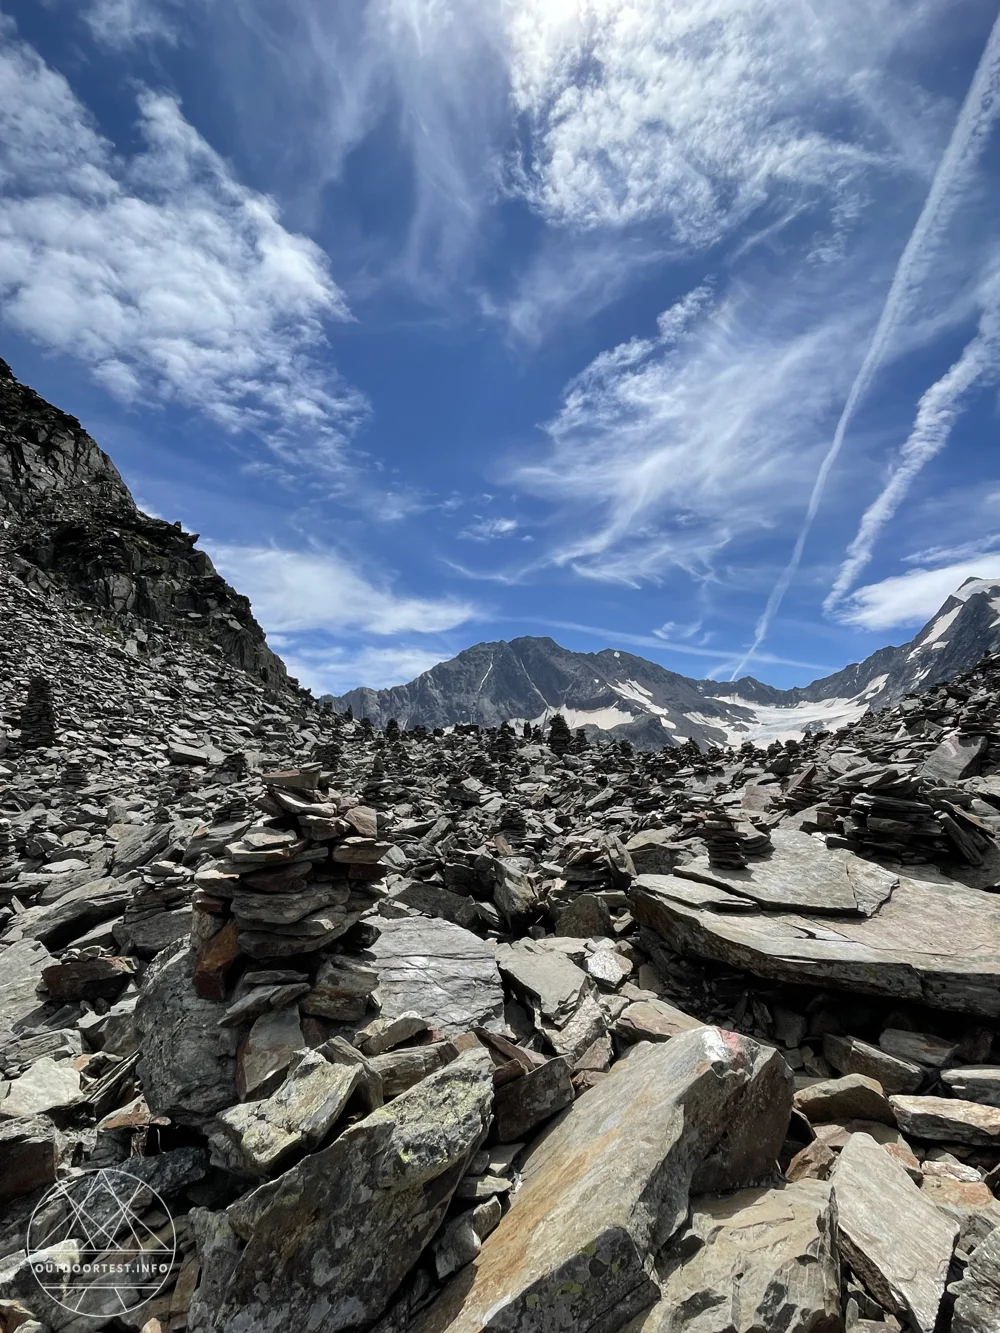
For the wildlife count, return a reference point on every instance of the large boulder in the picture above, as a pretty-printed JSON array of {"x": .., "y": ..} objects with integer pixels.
[
  {"x": 185, "y": 1071},
  {"x": 607, "y": 1186},
  {"x": 327, "y": 1244}
]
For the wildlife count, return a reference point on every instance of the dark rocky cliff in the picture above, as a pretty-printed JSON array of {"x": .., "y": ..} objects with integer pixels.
[{"x": 68, "y": 523}]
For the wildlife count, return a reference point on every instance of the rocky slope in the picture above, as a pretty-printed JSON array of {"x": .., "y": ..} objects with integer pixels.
[
  {"x": 485, "y": 1030},
  {"x": 68, "y": 523},
  {"x": 625, "y": 697}
]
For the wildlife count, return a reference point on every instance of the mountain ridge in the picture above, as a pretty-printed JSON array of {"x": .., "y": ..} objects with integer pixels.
[{"x": 617, "y": 695}]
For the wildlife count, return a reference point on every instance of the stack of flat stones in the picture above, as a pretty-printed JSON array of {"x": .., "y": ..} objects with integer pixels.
[
  {"x": 724, "y": 839},
  {"x": 38, "y": 718},
  {"x": 299, "y": 878}
]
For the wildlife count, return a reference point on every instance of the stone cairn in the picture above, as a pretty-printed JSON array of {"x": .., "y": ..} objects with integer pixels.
[
  {"x": 730, "y": 841},
  {"x": 38, "y": 716},
  {"x": 560, "y": 736},
  {"x": 74, "y": 774},
  {"x": 6, "y": 842}
]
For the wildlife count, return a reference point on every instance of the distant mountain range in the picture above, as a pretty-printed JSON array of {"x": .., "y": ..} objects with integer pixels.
[{"x": 616, "y": 695}]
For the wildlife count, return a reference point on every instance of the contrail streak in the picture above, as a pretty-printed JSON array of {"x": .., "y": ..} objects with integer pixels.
[
  {"x": 979, "y": 110},
  {"x": 936, "y": 415}
]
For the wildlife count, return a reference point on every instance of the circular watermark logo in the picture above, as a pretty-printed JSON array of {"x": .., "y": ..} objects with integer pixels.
[{"x": 101, "y": 1243}]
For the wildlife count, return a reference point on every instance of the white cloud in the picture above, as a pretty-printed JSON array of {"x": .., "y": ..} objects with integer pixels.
[
  {"x": 169, "y": 278},
  {"x": 318, "y": 590},
  {"x": 124, "y": 23},
  {"x": 913, "y": 597},
  {"x": 333, "y": 670},
  {"x": 667, "y": 449},
  {"x": 695, "y": 110},
  {"x": 489, "y": 529}
]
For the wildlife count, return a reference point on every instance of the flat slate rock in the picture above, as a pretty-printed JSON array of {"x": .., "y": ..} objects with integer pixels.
[
  {"x": 765, "y": 1259},
  {"x": 21, "y": 966},
  {"x": 802, "y": 874},
  {"x": 975, "y": 1083},
  {"x": 607, "y": 1185},
  {"x": 440, "y": 971},
  {"x": 977, "y": 1293},
  {"x": 933, "y": 944},
  {"x": 894, "y": 1238},
  {"x": 948, "y": 1120}
]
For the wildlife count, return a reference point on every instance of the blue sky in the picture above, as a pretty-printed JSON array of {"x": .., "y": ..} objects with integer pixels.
[{"x": 671, "y": 325}]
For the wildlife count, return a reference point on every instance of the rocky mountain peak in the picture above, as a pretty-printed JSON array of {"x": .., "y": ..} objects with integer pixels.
[
  {"x": 69, "y": 524},
  {"x": 615, "y": 695}
]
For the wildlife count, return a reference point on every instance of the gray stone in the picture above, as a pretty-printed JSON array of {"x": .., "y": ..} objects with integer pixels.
[
  {"x": 977, "y": 1293},
  {"x": 948, "y": 1120},
  {"x": 527, "y": 1102},
  {"x": 897, "y": 1242},
  {"x": 461, "y": 1239},
  {"x": 184, "y": 1073},
  {"x": 975, "y": 1083},
  {"x": 586, "y": 917},
  {"x": 955, "y": 758},
  {"x": 21, "y": 967},
  {"x": 328, "y": 1243},
  {"x": 653, "y": 1020},
  {"x": 259, "y": 1138},
  {"x": 439, "y": 970},
  {"x": 267, "y": 1051},
  {"x": 801, "y": 874},
  {"x": 65, "y": 920},
  {"x": 853, "y": 1097},
  {"x": 607, "y": 1185},
  {"x": 850, "y": 1055},
  {"x": 137, "y": 845},
  {"x": 433, "y": 900},
  {"x": 29, "y": 1155},
  {"x": 654, "y": 852},
  {"x": 49, "y": 1085},
  {"x": 402, "y": 1068},
  {"x": 554, "y": 984},
  {"x": 760, "y": 1259},
  {"x": 918, "y": 1047},
  {"x": 147, "y": 933},
  {"x": 341, "y": 989},
  {"x": 931, "y": 943}
]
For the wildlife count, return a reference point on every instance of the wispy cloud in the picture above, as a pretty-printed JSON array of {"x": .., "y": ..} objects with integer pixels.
[
  {"x": 163, "y": 273},
  {"x": 124, "y": 23},
  {"x": 320, "y": 590},
  {"x": 333, "y": 670},
  {"x": 622, "y": 130},
  {"x": 489, "y": 529},
  {"x": 667, "y": 449},
  {"x": 662, "y": 644},
  {"x": 913, "y": 597},
  {"x": 949, "y": 188}
]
